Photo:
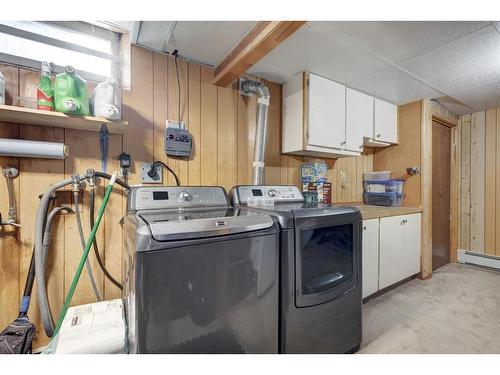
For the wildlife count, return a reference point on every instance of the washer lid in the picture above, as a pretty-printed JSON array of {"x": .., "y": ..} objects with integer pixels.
[{"x": 168, "y": 225}]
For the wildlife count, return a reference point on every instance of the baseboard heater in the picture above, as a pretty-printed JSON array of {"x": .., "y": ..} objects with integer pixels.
[{"x": 479, "y": 259}]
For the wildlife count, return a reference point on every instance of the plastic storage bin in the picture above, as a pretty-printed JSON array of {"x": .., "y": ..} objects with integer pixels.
[
  {"x": 377, "y": 176},
  {"x": 388, "y": 186},
  {"x": 384, "y": 199}
]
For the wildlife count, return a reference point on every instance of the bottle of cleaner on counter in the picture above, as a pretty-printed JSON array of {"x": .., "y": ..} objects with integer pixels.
[
  {"x": 45, "y": 90},
  {"x": 70, "y": 92},
  {"x": 2, "y": 89},
  {"x": 105, "y": 100}
]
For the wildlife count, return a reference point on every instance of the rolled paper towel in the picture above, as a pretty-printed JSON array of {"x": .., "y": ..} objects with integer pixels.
[{"x": 33, "y": 149}]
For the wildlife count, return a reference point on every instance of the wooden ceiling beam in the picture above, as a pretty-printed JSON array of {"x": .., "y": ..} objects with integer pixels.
[{"x": 261, "y": 40}]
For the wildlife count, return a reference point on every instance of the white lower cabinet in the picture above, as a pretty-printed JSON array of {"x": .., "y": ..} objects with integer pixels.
[
  {"x": 399, "y": 248},
  {"x": 391, "y": 251},
  {"x": 370, "y": 257}
]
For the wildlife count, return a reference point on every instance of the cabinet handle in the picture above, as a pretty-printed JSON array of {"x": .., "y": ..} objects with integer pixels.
[
  {"x": 342, "y": 143},
  {"x": 378, "y": 135},
  {"x": 364, "y": 228}
]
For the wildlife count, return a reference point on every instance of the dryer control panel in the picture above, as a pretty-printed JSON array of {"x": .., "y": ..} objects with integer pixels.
[
  {"x": 156, "y": 197},
  {"x": 278, "y": 193}
]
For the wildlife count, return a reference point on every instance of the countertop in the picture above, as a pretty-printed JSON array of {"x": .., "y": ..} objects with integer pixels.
[{"x": 374, "y": 212}]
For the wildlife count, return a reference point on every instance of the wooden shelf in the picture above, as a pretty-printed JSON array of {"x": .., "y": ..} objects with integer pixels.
[{"x": 20, "y": 115}]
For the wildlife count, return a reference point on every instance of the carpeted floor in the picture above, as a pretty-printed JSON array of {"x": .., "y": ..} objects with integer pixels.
[{"x": 456, "y": 311}]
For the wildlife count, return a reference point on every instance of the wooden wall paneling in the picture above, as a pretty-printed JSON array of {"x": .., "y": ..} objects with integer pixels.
[
  {"x": 208, "y": 145},
  {"x": 247, "y": 119},
  {"x": 10, "y": 247},
  {"x": 36, "y": 175},
  {"x": 111, "y": 248},
  {"x": 477, "y": 181},
  {"x": 273, "y": 141},
  {"x": 490, "y": 182},
  {"x": 284, "y": 170},
  {"x": 465, "y": 188},
  {"x": 358, "y": 192},
  {"x": 294, "y": 168},
  {"x": 179, "y": 166},
  {"x": 407, "y": 153},
  {"x": 138, "y": 110},
  {"x": 426, "y": 189},
  {"x": 455, "y": 192},
  {"x": 227, "y": 120},
  {"x": 497, "y": 184},
  {"x": 194, "y": 92},
  {"x": 85, "y": 152},
  {"x": 160, "y": 107}
]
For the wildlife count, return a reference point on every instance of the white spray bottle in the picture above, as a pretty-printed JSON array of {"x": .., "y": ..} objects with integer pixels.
[{"x": 105, "y": 100}]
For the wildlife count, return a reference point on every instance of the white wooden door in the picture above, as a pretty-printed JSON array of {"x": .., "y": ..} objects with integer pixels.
[
  {"x": 359, "y": 119},
  {"x": 370, "y": 256},
  {"x": 399, "y": 249},
  {"x": 385, "y": 122},
  {"x": 326, "y": 113}
]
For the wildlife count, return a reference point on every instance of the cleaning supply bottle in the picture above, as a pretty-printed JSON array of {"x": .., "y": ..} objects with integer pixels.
[
  {"x": 105, "y": 100},
  {"x": 71, "y": 95},
  {"x": 45, "y": 90}
]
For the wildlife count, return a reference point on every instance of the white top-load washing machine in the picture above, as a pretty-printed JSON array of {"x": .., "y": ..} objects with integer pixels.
[{"x": 200, "y": 275}]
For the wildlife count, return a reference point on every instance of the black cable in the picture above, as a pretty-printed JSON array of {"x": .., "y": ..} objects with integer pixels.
[
  {"x": 96, "y": 249},
  {"x": 152, "y": 171},
  {"x": 178, "y": 86}
]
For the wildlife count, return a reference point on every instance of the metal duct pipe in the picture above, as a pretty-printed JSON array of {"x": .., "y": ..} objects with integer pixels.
[{"x": 249, "y": 87}]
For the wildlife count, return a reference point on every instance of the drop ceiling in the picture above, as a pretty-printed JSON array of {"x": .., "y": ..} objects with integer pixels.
[{"x": 455, "y": 63}]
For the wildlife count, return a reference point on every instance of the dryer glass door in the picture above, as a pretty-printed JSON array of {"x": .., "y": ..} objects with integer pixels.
[{"x": 327, "y": 256}]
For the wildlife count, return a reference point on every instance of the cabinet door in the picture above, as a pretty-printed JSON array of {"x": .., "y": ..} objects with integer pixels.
[
  {"x": 399, "y": 248},
  {"x": 386, "y": 122},
  {"x": 359, "y": 119},
  {"x": 369, "y": 259},
  {"x": 326, "y": 113}
]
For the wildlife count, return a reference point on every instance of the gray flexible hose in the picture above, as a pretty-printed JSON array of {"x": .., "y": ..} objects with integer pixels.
[
  {"x": 39, "y": 257},
  {"x": 45, "y": 251},
  {"x": 82, "y": 240}
]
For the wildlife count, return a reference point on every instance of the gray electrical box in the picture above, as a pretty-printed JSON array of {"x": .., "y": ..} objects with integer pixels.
[{"x": 178, "y": 140}]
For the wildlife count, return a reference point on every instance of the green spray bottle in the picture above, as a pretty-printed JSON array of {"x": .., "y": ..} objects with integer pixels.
[
  {"x": 70, "y": 92},
  {"x": 45, "y": 90}
]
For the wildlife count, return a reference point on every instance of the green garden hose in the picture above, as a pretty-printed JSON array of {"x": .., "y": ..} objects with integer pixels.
[{"x": 88, "y": 245}]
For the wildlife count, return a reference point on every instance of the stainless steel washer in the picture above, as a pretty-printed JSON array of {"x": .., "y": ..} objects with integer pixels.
[
  {"x": 320, "y": 268},
  {"x": 201, "y": 276}
]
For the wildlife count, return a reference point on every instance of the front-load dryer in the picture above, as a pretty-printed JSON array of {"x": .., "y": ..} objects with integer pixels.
[{"x": 320, "y": 269}]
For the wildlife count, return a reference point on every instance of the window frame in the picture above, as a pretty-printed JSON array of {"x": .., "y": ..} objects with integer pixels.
[{"x": 113, "y": 36}]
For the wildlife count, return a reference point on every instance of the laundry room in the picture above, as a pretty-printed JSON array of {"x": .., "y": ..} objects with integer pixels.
[{"x": 181, "y": 183}]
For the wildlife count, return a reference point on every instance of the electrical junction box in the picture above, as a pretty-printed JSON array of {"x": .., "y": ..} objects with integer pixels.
[
  {"x": 178, "y": 140},
  {"x": 145, "y": 179}
]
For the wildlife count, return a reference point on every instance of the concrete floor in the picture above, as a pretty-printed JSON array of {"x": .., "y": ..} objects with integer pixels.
[{"x": 456, "y": 311}]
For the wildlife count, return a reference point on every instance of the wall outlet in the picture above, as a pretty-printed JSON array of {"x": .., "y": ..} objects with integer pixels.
[{"x": 145, "y": 179}]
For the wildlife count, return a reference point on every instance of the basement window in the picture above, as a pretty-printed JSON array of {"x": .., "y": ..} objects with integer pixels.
[{"x": 93, "y": 51}]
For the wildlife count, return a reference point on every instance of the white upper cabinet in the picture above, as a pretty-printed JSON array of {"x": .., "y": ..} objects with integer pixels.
[
  {"x": 359, "y": 119},
  {"x": 326, "y": 113},
  {"x": 324, "y": 118},
  {"x": 386, "y": 122}
]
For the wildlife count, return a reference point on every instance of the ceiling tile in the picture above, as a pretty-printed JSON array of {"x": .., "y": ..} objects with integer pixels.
[
  {"x": 394, "y": 86},
  {"x": 401, "y": 40},
  {"x": 467, "y": 69},
  {"x": 318, "y": 48},
  {"x": 152, "y": 34},
  {"x": 208, "y": 42}
]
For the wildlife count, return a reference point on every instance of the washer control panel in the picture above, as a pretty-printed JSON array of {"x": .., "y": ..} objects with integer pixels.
[
  {"x": 279, "y": 193},
  {"x": 153, "y": 197}
]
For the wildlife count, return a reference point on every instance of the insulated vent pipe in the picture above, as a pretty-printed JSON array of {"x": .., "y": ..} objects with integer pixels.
[{"x": 249, "y": 87}]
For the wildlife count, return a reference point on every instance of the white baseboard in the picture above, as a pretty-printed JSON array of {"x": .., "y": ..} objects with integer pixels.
[{"x": 479, "y": 259}]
